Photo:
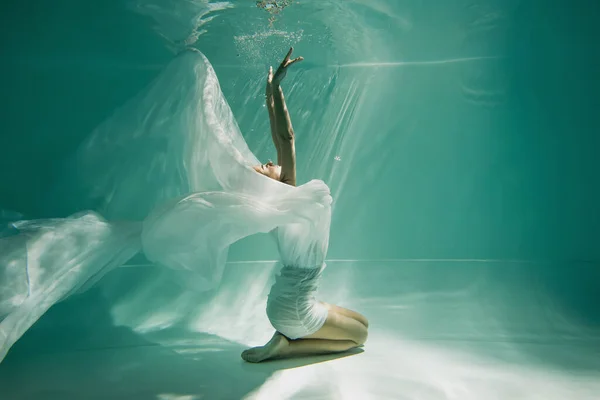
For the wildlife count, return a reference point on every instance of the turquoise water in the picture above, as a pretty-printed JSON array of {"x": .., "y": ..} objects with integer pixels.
[{"x": 459, "y": 140}]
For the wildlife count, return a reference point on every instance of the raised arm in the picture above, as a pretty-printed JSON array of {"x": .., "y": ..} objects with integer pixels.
[
  {"x": 271, "y": 108},
  {"x": 281, "y": 123}
]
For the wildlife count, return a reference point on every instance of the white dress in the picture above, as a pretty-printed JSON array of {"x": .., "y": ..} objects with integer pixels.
[
  {"x": 292, "y": 307},
  {"x": 174, "y": 163}
]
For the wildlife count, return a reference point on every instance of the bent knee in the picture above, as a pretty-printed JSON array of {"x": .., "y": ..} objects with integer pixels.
[
  {"x": 365, "y": 321},
  {"x": 361, "y": 336}
]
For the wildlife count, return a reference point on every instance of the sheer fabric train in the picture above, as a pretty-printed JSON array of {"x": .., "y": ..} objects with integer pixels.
[{"x": 174, "y": 164}]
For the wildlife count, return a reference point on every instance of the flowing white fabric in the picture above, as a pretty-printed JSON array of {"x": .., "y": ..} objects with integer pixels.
[
  {"x": 51, "y": 259},
  {"x": 175, "y": 160},
  {"x": 178, "y": 136},
  {"x": 194, "y": 234}
]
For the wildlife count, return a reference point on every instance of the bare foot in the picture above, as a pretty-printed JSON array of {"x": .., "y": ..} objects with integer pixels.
[{"x": 275, "y": 347}]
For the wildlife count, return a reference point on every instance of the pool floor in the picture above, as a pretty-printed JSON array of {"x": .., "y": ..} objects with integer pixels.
[{"x": 439, "y": 330}]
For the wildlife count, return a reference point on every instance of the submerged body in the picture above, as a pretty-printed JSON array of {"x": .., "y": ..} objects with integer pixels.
[
  {"x": 204, "y": 195},
  {"x": 303, "y": 324}
]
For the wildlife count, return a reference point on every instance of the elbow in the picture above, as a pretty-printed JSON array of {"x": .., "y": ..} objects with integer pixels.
[{"x": 288, "y": 136}]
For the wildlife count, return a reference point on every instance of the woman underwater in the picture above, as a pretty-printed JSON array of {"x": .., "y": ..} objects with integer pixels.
[
  {"x": 169, "y": 175},
  {"x": 303, "y": 325}
]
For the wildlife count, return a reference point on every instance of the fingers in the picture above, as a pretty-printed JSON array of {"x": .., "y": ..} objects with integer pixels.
[
  {"x": 290, "y": 62},
  {"x": 281, "y": 71},
  {"x": 289, "y": 54}
]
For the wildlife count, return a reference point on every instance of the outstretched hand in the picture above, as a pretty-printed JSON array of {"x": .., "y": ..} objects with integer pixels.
[{"x": 282, "y": 70}]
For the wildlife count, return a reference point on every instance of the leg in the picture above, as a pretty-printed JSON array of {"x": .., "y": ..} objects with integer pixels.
[
  {"x": 338, "y": 334},
  {"x": 281, "y": 347},
  {"x": 348, "y": 313},
  {"x": 341, "y": 327}
]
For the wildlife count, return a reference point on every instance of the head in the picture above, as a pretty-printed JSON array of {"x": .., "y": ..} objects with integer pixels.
[{"x": 270, "y": 170}]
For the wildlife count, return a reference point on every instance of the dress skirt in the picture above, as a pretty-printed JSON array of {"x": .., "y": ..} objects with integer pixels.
[{"x": 292, "y": 307}]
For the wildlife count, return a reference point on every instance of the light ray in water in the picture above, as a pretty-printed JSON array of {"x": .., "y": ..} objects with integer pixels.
[
  {"x": 402, "y": 260},
  {"x": 409, "y": 63},
  {"x": 367, "y": 64}
]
